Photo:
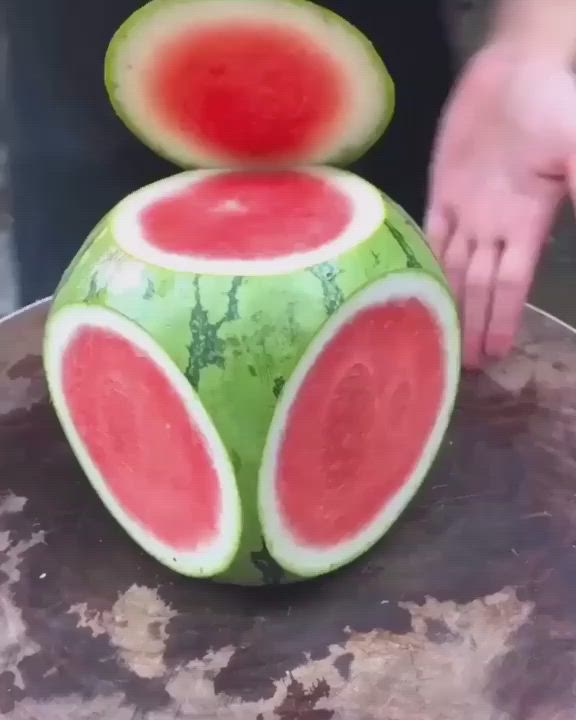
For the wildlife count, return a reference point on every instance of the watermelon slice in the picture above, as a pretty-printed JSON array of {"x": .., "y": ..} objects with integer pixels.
[
  {"x": 358, "y": 424},
  {"x": 222, "y": 83},
  {"x": 125, "y": 405},
  {"x": 254, "y": 368}
]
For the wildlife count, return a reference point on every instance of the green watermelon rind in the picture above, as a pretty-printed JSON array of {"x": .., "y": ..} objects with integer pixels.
[
  {"x": 238, "y": 339},
  {"x": 346, "y": 155},
  {"x": 315, "y": 562},
  {"x": 191, "y": 564}
]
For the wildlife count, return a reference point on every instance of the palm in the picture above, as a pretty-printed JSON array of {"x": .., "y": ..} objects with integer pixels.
[{"x": 498, "y": 174}]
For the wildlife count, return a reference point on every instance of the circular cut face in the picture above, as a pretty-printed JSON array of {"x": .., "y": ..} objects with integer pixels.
[
  {"x": 248, "y": 222},
  {"x": 145, "y": 441},
  {"x": 250, "y": 82},
  {"x": 357, "y": 423}
]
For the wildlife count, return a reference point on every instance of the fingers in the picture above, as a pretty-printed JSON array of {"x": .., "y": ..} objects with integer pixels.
[
  {"x": 571, "y": 173},
  {"x": 490, "y": 280},
  {"x": 455, "y": 260},
  {"x": 449, "y": 244},
  {"x": 481, "y": 279},
  {"x": 438, "y": 228},
  {"x": 491, "y": 273},
  {"x": 528, "y": 232},
  {"x": 498, "y": 281},
  {"x": 510, "y": 293}
]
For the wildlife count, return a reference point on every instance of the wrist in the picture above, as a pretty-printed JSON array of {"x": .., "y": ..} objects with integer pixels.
[{"x": 542, "y": 29}]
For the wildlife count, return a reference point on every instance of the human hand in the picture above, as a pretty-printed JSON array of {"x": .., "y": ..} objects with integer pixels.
[{"x": 504, "y": 159}]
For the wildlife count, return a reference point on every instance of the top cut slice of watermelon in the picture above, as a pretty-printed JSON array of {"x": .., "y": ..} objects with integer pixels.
[{"x": 251, "y": 83}]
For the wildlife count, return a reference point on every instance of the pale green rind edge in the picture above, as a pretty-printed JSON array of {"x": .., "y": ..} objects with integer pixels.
[{"x": 345, "y": 157}]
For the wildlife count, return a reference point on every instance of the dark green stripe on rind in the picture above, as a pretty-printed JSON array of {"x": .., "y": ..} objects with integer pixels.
[
  {"x": 327, "y": 274},
  {"x": 279, "y": 383},
  {"x": 411, "y": 261},
  {"x": 80, "y": 254},
  {"x": 270, "y": 571},
  {"x": 406, "y": 225},
  {"x": 206, "y": 347},
  {"x": 149, "y": 290}
]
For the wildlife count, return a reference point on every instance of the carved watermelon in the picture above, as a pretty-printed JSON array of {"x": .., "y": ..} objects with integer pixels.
[
  {"x": 248, "y": 82},
  {"x": 254, "y": 368},
  {"x": 255, "y": 363}
]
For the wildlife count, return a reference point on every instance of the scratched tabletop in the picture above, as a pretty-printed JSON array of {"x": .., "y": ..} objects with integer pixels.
[{"x": 466, "y": 611}]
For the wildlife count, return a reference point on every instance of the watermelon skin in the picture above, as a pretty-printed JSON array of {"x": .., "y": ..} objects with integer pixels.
[
  {"x": 344, "y": 158},
  {"x": 238, "y": 339}
]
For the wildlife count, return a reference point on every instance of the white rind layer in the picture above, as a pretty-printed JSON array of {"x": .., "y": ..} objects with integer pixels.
[
  {"x": 205, "y": 561},
  {"x": 368, "y": 214},
  {"x": 137, "y": 51},
  {"x": 307, "y": 561}
]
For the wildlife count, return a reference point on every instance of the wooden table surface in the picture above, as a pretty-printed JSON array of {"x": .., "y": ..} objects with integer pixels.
[{"x": 466, "y": 611}]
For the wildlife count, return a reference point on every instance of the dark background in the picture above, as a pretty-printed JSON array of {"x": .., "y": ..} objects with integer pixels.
[{"x": 554, "y": 289}]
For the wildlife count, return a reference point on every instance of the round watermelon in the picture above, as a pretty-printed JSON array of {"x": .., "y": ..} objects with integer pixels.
[
  {"x": 255, "y": 368},
  {"x": 222, "y": 83}
]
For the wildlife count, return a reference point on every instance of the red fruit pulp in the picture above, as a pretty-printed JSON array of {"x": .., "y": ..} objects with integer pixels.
[
  {"x": 251, "y": 90},
  {"x": 248, "y": 216},
  {"x": 136, "y": 429},
  {"x": 360, "y": 421}
]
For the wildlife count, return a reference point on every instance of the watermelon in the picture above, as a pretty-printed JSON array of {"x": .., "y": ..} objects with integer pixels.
[
  {"x": 254, "y": 362},
  {"x": 227, "y": 83},
  {"x": 255, "y": 368}
]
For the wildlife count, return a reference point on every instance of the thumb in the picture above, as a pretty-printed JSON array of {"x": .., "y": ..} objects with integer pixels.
[{"x": 571, "y": 178}]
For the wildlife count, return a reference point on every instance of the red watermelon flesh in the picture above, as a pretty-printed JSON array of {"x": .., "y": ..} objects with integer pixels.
[
  {"x": 360, "y": 421},
  {"x": 130, "y": 419},
  {"x": 244, "y": 215},
  {"x": 252, "y": 90}
]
